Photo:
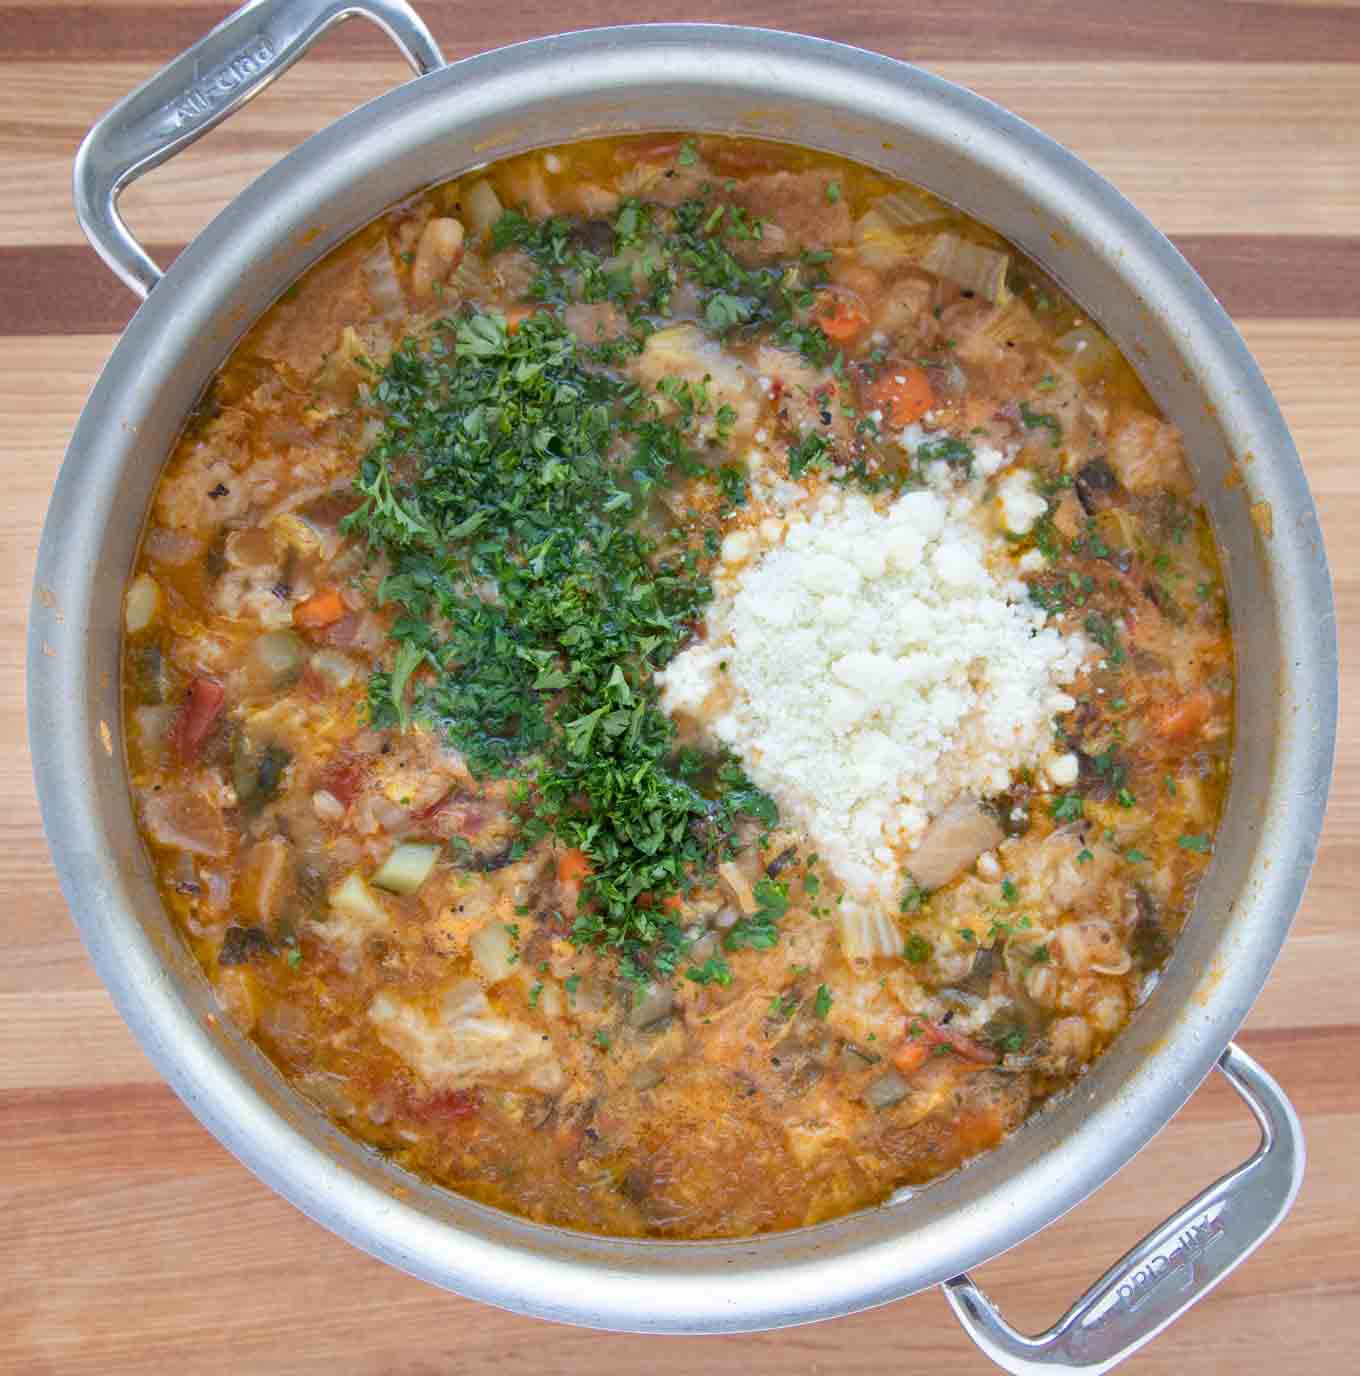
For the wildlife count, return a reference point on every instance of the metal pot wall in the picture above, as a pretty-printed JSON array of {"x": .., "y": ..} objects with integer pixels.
[{"x": 900, "y": 119}]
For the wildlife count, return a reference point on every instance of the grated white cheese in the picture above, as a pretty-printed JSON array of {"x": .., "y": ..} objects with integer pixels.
[
  {"x": 877, "y": 669},
  {"x": 1063, "y": 770},
  {"x": 1018, "y": 504}
]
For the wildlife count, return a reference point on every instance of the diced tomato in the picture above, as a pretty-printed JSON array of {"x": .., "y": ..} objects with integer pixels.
[
  {"x": 456, "y": 814},
  {"x": 322, "y": 608},
  {"x": 658, "y": 148},
  {"x": 968, "y": 1048},
  {"x": 842, "y": 320},
  {"x": 1184, "y": 716},
  {"x": 903, "y": 395},
  {"x": 736, "y": 158},
  {"x": 198, "y": 714},
  {"x": 313, "y": 685},
  {"x": 446, "y": 1106},
  {"x": 343, "y": 778}
]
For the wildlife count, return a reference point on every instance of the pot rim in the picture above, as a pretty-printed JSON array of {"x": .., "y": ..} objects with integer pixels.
[{"x": 775, "y": 1279}]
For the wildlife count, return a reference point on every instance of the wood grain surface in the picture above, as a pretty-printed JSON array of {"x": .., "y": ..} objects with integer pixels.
[{"x": 131, "y": 1242}]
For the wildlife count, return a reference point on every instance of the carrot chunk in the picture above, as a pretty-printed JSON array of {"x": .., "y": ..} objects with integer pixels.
[
  {"x": 321, "y": 609},
  {"x": 903, "y": 395},
  {"x": 515, "y": 316},
  {"x": 841, "y": 319},
  {"x": 572, "y": 866},
  {"x": 912, "y": 1055},
  {"x": 925, "y": 1038}
]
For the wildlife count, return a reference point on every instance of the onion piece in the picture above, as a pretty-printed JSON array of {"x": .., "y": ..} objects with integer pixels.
[
  {"x": 336, "y": 670},
  {"x": 278, "y": 655},
  {"x": 437, "y": 254},
  {"x": 470, "y": 279},
  {"x": 955, "y": 839},
  {"x": 889, "y": 1089},
  {"x": 493, "y": 949},
  {"x": 550, "y": 999},
  {"x": 867, "y": 933},
  {"x": 655, "y": 1003},
  {"x": 353, "y": 898},
  {"x": 909, "y": 207},
  {"x": 881, "y": 245},
  {"x": 1090, "y": 350},
  {"x": 384, "y": 287},
  {"x": 462, "y": 999},
  {"x": 481, "y": 208},
  {"x": 731, "y": 875},
  {"x": 142, "y": 604},
  {"x": 407, "y": 867},
  {"x": 974, "y": 268}
]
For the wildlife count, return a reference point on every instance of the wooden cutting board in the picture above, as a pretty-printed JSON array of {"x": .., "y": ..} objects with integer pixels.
[{"x": 131, "y": 1242}]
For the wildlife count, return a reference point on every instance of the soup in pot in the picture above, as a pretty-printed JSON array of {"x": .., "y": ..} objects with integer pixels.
[{"x": 677, "y": 686}]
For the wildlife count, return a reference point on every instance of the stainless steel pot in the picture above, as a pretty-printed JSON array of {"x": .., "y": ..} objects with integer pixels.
[{"x": 995, "y": 167}]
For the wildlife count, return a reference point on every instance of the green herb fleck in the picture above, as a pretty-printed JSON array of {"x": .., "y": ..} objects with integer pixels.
[
  {"x": 917, "y": 949},
  {"x": 715, "y": 970},
  {"x": 1035, "y": 420},
  {"x": 913, "y": 896}
]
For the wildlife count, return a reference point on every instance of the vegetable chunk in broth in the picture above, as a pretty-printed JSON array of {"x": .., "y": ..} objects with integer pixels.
[{"x": 676, "y": 686}]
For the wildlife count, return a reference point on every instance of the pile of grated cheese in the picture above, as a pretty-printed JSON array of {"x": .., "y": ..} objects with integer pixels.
[{"x": 870, "y": 663}]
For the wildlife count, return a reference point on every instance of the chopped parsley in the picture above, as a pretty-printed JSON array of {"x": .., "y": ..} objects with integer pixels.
[
  {"x": 760, "y": 931},
  {"x": 948, "y": 450},
  {"x": 810, "y": 450},
  {"x": 783, "y": 1005},
  {"x": 1200, "y": 845},
  {"x": 498, "y": 465},
  {"x": 821, "y": 1005},
  {"x": 1035, "y": 420},
  {"x": 917, "y": 949},
  {"x": 1104, "y": 632},
  {"x": 913, "y": 896},
  {"x": 715, "y": 970},
  {"x": 1067, "y": 807},
  {"x": 732, "y": 484}
]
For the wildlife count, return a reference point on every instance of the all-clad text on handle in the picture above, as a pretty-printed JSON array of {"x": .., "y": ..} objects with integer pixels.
[
  {"x": 197, "y": 91},
  {"x": 1173, "y": 1266}
]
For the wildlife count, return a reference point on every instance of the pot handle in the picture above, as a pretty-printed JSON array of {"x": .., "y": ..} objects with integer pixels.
[
  {"x": 1171, "y": 1268},
  {"x": 197, "y": 91}
]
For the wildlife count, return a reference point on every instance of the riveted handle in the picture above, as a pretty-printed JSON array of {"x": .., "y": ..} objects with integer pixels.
[
  {"x": 1171, "y": 1268},
  {"x": 197, "y": 91}
]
